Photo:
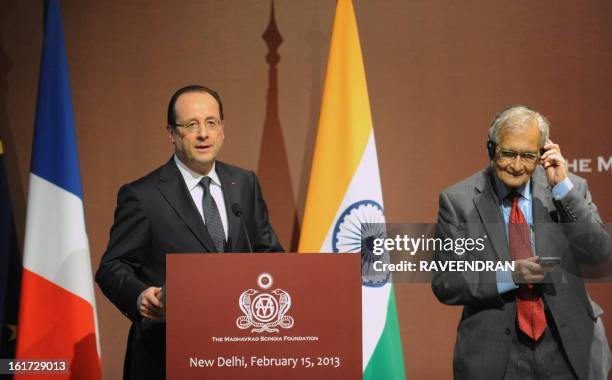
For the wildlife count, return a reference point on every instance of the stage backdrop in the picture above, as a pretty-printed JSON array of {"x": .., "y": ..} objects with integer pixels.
[{"x": 437, "y": 73}]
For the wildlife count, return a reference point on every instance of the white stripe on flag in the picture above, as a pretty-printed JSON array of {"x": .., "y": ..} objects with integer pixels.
[
  {"x": 364, "y": 185},
  {"x": 56, "y": 244},
  {"x": 374, "y": 317}
]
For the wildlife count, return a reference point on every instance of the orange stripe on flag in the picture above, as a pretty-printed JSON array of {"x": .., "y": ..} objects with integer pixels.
[{"x": 56, "y": 324}]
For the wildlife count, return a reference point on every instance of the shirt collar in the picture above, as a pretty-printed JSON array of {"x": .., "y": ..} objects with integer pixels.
[
  {"x": 503, "y": 190},
  {"x": 192, "y": 179}
]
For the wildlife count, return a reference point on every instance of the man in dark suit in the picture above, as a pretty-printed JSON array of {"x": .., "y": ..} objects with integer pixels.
[
  {"x": 535, "y": 322},
  {"x": 191, "y": 204}
]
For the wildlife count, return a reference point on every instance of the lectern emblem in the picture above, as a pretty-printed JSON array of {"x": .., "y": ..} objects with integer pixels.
[{"x": 262, "y": 310}]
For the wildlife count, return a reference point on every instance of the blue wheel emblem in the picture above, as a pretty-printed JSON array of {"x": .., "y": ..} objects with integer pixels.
[{"x": 355, "y": 231}]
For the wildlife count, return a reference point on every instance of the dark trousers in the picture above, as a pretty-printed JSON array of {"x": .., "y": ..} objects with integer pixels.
[
  {"x": 145, "y": 357},
  {"x": 544, "y": 359}
]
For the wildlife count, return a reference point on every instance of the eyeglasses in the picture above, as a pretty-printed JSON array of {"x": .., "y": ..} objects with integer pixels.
[
  {"x": 506, "y": 155},
  {"x": 210, "y": 124}
]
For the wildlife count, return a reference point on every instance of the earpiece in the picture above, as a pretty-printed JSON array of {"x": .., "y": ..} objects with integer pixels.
[{"x": 491, "y": 148}]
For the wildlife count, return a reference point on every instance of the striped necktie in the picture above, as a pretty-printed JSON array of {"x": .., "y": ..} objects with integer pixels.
[{"x": 211, "y": 216}]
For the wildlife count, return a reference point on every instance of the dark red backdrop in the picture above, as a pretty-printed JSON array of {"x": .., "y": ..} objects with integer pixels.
[{"x": 437, "y": 73}]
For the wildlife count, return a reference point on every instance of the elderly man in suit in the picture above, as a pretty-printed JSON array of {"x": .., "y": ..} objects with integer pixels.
[
  {"x": 193, "y": 203},
  {"x": 535, "y": 322}
]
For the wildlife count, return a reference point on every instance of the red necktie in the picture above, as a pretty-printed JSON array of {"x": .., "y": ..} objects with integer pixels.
[{"x": 529, "y": 305}]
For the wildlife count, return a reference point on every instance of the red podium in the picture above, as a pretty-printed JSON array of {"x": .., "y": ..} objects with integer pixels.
[{"x": 263, "y": 316}]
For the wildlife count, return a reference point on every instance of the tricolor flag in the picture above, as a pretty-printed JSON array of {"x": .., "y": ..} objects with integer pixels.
[
  {"x": 344, "y": 190},
  {"x": 57, "y": 315}
]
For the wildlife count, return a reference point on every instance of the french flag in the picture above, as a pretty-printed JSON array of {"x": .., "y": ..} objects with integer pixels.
[{"x": 57, "y": 316}]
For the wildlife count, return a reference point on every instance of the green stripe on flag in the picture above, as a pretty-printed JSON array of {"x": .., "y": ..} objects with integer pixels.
[{"x": 387, "y": 361}]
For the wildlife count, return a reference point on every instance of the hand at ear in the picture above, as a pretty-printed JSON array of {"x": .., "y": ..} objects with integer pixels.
[{"x": 554, "y": 163}]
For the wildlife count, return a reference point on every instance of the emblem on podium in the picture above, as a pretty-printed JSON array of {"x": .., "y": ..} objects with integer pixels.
[{"x": 264, "y": 311}]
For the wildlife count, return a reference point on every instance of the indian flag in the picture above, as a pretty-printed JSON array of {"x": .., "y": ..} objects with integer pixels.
[
  {"x": 57, "y": 315},
  {"x": 345, "y": 192}
]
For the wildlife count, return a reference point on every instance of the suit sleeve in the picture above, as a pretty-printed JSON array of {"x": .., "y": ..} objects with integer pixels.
[
  {"x": 264, "y": 237},
  {"x": 589, "y": 239},
  {"x": 129, "y": 242},
  {"x": 478, "y": 289}
]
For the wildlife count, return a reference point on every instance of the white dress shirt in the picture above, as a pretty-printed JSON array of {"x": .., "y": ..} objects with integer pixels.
[{"x": 192, "y": 180}]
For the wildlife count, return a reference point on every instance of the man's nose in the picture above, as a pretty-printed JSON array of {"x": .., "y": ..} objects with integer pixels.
[
  {"x": 202, "y": 133},
  {"x": 517, "y": 164}
]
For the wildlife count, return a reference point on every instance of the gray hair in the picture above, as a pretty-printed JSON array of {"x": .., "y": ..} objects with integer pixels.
[{"x": 516, "y": 117}]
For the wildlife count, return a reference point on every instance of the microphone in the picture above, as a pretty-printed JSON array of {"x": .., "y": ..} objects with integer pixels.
[{"x": 237, "y": 210}]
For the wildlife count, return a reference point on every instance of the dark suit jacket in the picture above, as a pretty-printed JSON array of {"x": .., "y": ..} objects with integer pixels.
[
  {"x": 570, "y": 228},
  {"x": 156, "y": 215}
]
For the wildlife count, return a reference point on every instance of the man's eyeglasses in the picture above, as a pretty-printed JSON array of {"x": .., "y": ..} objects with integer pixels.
[
  {"x": 506, "y": 155},
  {"x": 192, "y": 126}
]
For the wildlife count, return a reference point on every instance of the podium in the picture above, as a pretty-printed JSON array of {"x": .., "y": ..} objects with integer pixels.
[{"x": 263, "y": 316}]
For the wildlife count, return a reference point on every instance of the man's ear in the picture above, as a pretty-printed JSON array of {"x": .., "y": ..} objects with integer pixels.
[{"x": 170, "y": 131}]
